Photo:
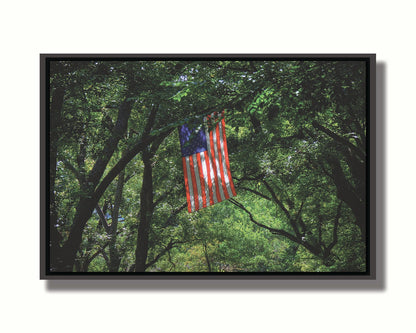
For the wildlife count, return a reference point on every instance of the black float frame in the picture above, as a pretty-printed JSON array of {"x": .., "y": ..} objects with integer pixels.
[{"x": 371, "y": 223}]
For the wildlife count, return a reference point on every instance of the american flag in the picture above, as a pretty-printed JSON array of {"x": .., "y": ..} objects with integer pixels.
[{"x": 205, "y": 162}]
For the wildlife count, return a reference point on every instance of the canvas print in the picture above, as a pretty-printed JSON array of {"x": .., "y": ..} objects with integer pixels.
[{"x": 214, "y": 166}]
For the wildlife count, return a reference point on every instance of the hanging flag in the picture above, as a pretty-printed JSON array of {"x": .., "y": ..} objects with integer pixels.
[{"x": 205, "y": 162}]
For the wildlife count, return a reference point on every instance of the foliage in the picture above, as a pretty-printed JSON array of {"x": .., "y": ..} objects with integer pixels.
[{"x": 296, "y": 133}]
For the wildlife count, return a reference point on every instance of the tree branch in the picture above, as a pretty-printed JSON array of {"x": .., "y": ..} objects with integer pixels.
[
  {"x": 128, "y": 156},
  {"x": 254, "y": 191},
  {"x": 299, "y": 218},
  {"x": 339, "y": 139},
  {"x": 168, "y": 247},
  {"x": 347, "y": 193},
  {"x": 161, "y": 198},
  {"x": 272, "y": 230},
  {"x": 207, "y": 257},
  {"x": 102, "y": 218},
  {"x": 174, "y": 213},
  {"x": 90, "y": 259},
  {"x": 283, "y": 208},
  {"x": 335, "y": 230},
  {"x": 111, "y": 144},
  {"x": 297, "y": 239},
  {"x": 276, "y": 199}
]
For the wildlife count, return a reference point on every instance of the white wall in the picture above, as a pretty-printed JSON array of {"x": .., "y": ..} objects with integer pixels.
[{"x": 32, "y": 27}]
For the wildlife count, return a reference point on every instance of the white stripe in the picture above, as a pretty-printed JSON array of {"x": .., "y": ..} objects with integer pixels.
[
  {"x": 216, "y": 160},
  {"x": 224, "y": 165},
  {"x": 211, "y": 174},
  {"x": 190, "y": 184},
  {"x": 214, "y": 187},
  {"x": 205, "y": 175},
  {"x": 198, "y": 181}
]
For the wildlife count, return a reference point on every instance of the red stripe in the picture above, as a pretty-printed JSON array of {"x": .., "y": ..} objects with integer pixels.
[
  {"x": 191, "y": 166},
  {"x": 211, "y": 195},
  {"x": 226, "y": 156},
  {"x": 201, "y": 178},
  {"x": 224, "y": 186},
  {"x": 214, "y": 166},
  {"x": 188, "y": 198}
]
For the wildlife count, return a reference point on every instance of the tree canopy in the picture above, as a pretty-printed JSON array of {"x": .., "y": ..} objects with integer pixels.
[{"x": 296, "y": 133}]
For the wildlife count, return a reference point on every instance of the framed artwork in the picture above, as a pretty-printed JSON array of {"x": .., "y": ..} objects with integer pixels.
[{"x": 187, "y": 166}]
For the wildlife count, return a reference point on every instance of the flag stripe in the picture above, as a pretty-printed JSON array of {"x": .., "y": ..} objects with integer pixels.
[
  {"x": 214, "y": 152},
  {"x": 197, "y": 180},
  {"x": 191, "y": 166},
  {"x": 201, "y": 180},
  {"x": 186, "y": 184},
  {"x": 211, "y": 176},
  {"x": 214, "y": 166},
  {"x": 205, "y": 178},
  {"x": 226, "y": 163},
  {"x": 220, "y": 153},
  {"x": 190, "y": 184},
  {"x": 211, "y": 194},
  {"x": 208, "y": 165},
  {"x": 214, "y": 181}
]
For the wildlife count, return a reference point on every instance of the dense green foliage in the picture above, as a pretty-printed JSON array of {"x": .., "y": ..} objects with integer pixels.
[{"x": 296, "y": 134}]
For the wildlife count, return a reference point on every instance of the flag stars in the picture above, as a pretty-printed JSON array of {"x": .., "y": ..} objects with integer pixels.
[{"x": 192, "y": 141}]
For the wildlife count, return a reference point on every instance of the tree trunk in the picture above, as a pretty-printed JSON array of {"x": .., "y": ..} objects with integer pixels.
[
  {"x": 55, "y": 119},
  {"x": 114, "y": 254},
  {"x": 147, "y": 205},
  {"x": 65, "y": 261},
  {"x": 346, "y": 193},
  {"x": 207, "y": 257},
  {"x": 353, "y": 196},
  {"x": 145, "y": 214}
]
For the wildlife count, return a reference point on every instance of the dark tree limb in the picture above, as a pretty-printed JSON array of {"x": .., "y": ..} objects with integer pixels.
[
  {"x": 297, "y": 239},
  {"x": 274, "y": 231},
  {"x": 103, "y": 220},
  {"x": 276, "y": 200},
  {"x": 170, "y": 259},
  {"x": 249, "y": 177},
  {"x": 88, "y": 260},
  {"x": 253, "y": 191},
  {"x": 145, "y": 214},
  {"x": 299, "y": 219},
  {"x": 334, "y": 231},
  {"x": 125, "y": 159},
  {"x": 146, "y": 205},
  {"x": 56, "y": 105},
  {"x": 114, "y": 261},
  {"x": 207, "y": 257},
  {"x": 119, "y": 130},
  {"x": 81, "y": 157},
  {"x": 161, "y": 198},
  {"x": 346, "y": 193},
  {"x": 168, "y": 247},
  {"x": 339, "y": 139},
  {"x": 174, "y": 213},
  {"x": 87, "y": 202},
  {"x": 291, "y": 220},
  {"x": 76, "y": 173},
  {"x": 106, "y": 258}
]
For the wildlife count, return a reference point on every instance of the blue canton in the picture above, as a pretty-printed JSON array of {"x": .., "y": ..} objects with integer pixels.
[{"x": 192, "y": 140}]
